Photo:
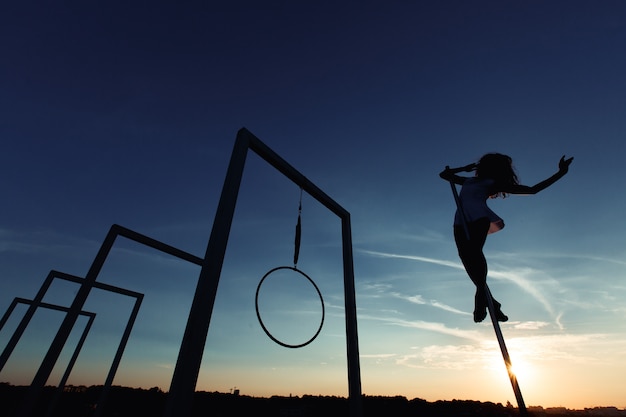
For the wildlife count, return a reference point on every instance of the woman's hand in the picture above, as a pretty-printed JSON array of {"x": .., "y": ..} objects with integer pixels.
[
  {"x": 469, "y": 168},
  {"x": 449, "y": 174},
  {"x": 564, "y": 164}
]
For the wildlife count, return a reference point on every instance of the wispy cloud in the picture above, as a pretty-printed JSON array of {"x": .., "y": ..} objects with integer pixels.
[
  {"x": 457, "y": 357},
  {"x": 435, "y": 261},
  {"x": 426, "y": 325},
  {"x": 530, "y": 325},
  {"x": 378, "y": 355},
  {"x": 573, "y": 348},
  {"x": 415, "y": 299},
  {"x": 555, "y": 255},
  {"x": 418, "y": 299},
  {"x": 518, "y": 276},
  {"x": 376, "y": 289},
  {"x": 41, "y": 242},
  {"x": 448, "y": 308},
  {"x": 383, "y": 234}
]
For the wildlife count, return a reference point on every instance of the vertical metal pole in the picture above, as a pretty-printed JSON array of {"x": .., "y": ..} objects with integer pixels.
[
  {"x": 496, "y": 326},
  {"x": 182, "y": 388},
  {"x": 505, "y": 355},
  {"x": 118, "y": 357},
  {"x": 70, "y": 365},
  {"x": 67, "y": 325},
  {"x": 352, "y": 339}
]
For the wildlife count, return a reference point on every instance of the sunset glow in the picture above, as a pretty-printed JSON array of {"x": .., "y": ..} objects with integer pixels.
[{"x": 127, "y": 114}]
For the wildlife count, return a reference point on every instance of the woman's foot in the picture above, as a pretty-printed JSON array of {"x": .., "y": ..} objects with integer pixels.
[
  {"x": 480, "y": 307},
  {"x": 480, "y": 310},
  {"x": 500, "y": 316},
  {"x": 480, "y": 314}
]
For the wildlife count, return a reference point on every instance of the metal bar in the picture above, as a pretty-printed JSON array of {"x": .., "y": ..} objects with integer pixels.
[
  {"x": 505, "y": 355},
  {"x": 8, "y": 313},
  {"x": 290, "y": 172},
  {"x": 51, "y": 306},
  {"x": 118, "y": 358},
  {"x": 459, "y": 207},
  {"x": 352, "y": 338},
  {"x": 155, "y": 244},
  {"x": 492, "y": 313},
  {"x": 99, "y": 285},
  {"x": 182, "y": 388},
  {"x": 81, "y": 341},
  {"x": 70, "y": 365}
]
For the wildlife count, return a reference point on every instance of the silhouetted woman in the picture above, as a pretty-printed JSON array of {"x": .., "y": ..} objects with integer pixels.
[{"x": 494, "y": 177}]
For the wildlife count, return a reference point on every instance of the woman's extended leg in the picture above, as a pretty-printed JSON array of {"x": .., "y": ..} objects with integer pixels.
[{"x": 471, "y": 254}]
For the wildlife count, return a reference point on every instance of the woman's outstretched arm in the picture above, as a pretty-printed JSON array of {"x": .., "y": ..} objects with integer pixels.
[
  {"x": 525, "y": 189},
  {"x": 449, "y": 174}
]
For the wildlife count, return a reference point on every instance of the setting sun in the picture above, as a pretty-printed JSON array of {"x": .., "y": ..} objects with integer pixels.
[{"x": 523, "y": 371}]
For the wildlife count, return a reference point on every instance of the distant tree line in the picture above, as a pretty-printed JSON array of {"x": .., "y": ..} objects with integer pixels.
[{"x": 137, "y": 402}]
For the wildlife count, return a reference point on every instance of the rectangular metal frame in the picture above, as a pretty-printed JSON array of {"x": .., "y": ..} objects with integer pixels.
[
  {"x": 91, "y": 316},
  {"x": 38, "y": 302},
  {"x": 79, "y": 345},
  {"x": 187, "y": 369}
]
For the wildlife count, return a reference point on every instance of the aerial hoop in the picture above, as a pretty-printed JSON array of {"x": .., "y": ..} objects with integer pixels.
[
  {"x": 258, "y": 314},
  {"x": 294, "y": 268}
]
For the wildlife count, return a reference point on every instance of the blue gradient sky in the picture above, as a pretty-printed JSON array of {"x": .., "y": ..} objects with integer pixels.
[{"x": 118, "y": 113}]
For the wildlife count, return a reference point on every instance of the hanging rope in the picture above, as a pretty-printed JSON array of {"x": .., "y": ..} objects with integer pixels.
[{"x": 296, "y": 252}]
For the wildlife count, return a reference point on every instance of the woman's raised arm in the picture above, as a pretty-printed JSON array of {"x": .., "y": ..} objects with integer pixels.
[{"x": 525, "y": 189}]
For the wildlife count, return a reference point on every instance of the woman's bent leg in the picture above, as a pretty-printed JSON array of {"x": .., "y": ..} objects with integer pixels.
[{"x": 473, "y": 259}]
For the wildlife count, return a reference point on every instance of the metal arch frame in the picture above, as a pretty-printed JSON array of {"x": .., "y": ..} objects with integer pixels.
[
  {"x": 38, "y": 302},
  {"x": 87, "y": 284},
  {"x": 184, "y": 380},
  {"x": 185, "y": 376}
]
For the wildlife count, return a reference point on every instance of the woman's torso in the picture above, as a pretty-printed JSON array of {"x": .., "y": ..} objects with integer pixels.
[{"x": 473, "y": 199}]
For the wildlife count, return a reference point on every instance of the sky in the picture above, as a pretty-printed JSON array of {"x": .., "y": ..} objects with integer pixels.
[{"x": 118, "y": 113}]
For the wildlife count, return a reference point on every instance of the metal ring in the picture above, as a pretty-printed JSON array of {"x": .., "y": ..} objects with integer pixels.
[{"x": 258, "y": 314}]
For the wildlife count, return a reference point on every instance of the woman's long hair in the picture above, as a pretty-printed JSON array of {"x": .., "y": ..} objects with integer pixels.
[{"x": 498, "y": 167}]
